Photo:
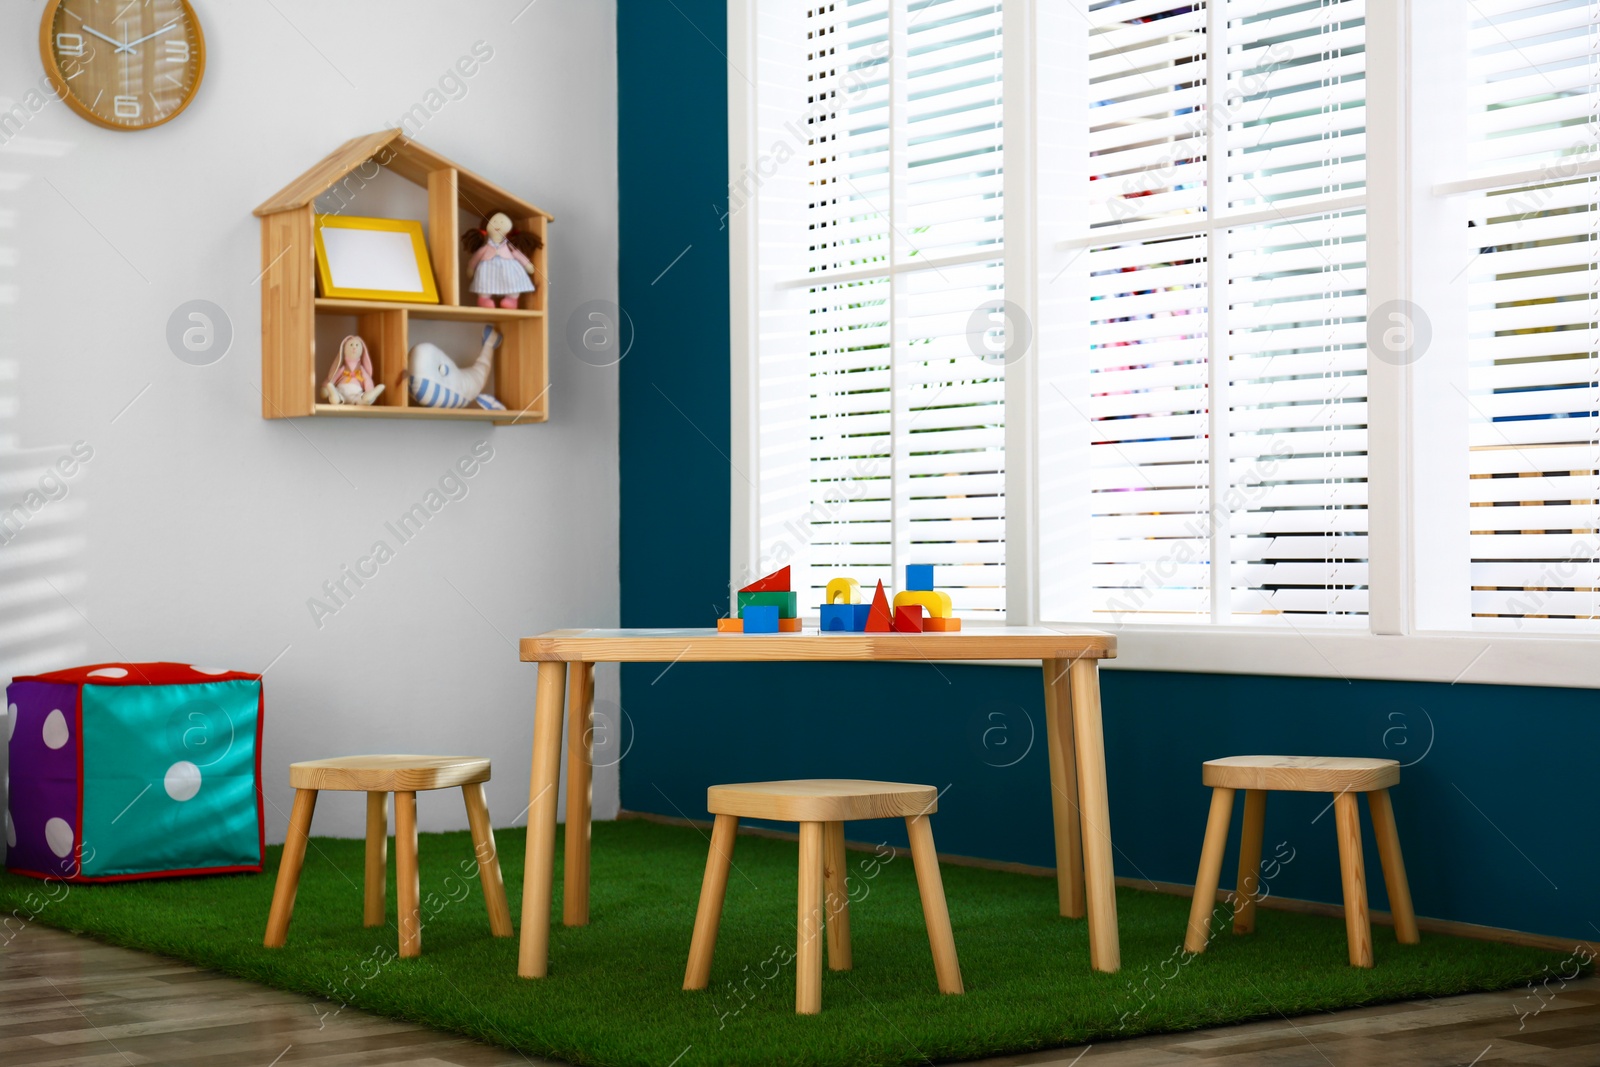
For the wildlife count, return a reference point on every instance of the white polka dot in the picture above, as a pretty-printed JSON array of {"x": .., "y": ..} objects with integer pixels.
[
  {"x": 11, "y": 831},
  {"x": 56, "y": 733},
  {"x": 58, "y": 835},
  {"x": 183, "y": 780},
  {"x": 109, "y": 672},
  {"x": 11, "y": 722},
  {"x": 208, "y": 670}
]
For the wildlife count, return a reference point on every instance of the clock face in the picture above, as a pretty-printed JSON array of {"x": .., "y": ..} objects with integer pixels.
[{"x": 123, "y": 64}]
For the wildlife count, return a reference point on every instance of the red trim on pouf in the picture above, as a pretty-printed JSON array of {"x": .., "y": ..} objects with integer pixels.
[
  {"x": 140, "y": 674},
  {"x": 77, "y": 831},
  {"x": 78, "y": 879},
  {"x": 261, "y": 795}
]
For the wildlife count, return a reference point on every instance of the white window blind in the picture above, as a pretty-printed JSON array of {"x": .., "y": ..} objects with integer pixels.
[
  {"x": 1534, "y": 320},
  {"x": 1221, "y": 289},
  {"x": 881, "y": 441}
]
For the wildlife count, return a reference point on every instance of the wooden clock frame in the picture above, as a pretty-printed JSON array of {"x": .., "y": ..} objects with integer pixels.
[{"x": 58, "y": 81}]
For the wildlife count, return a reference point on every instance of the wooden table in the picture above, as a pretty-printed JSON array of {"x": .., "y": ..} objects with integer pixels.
[{"x": 1072, "y": 713}]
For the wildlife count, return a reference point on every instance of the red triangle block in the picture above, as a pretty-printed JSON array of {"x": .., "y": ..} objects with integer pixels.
[
  {"x": 879, "y": 621},
  {"x": 776, "y": 582}
]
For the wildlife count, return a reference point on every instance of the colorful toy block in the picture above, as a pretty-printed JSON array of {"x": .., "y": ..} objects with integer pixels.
[
  {"x": 919, "y": 608},
  {"x": 937, "y": 603},
  {"x": 776, "y": 582},
  {"x": 788, "y": 604},
  {"x": 134, "y": 770},
  {"x": 879, "y": 620},
  {"x": 843, "y": 591},
  {"x": 760, "y": 618},
  {"x": 839, "y": 618}
]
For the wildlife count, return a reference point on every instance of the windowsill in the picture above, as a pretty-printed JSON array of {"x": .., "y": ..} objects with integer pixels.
[{"x": 1466, "y": 658}]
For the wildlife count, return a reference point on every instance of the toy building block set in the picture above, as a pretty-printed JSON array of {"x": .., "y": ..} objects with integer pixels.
[{"x": 769, "y": 606}]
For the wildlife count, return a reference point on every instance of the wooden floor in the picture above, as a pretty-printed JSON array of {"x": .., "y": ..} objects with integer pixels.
[
  {"x": 66, "y": 1000},
  {"x": 1480, "y": 1030}
]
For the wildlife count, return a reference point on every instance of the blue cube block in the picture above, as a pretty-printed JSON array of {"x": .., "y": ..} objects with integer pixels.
[
  {"x": 919, "y": 577},
  {"x": 761, "y": 618},
  {"x": 859, "y": 623},
  {"x": 840, "y": 618}
]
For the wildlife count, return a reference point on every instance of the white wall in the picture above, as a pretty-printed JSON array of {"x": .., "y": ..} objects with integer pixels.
[{"x": 198, "y": 531}]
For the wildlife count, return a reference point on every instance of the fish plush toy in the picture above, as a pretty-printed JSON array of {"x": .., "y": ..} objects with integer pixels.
[{"x": 437, "y": 381}]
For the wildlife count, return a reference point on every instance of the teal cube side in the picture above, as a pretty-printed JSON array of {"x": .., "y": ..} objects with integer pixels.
[
  {"x": 170, "y": 778},
  {"x": 788, "y": 604}
]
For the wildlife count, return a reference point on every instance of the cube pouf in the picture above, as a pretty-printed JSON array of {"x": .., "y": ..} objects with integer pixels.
[{"x": 134, "y": 770}]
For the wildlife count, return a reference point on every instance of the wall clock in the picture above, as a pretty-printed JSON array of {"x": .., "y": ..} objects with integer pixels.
[{"x": 123, "y": 64}]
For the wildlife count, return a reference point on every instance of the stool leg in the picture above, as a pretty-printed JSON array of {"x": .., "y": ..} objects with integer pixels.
[
  {"x": 946, "y": 968},
  {"x": 708, "y": 917},
  {"x": 1394, "y": 868},
  {"x": 1247, "y": 888},
  {"x": 494, "y": 888},
  {"x": 377, "y": 857},
  {"x": 294, "y": 857},
  {"x": 808, "y": 934},
  {"x": 408, "y": 889},
  {"x": 1357, "y": 927},
  {"x": 837, "y": 896},
  {"x": 1205, "y": 882}
]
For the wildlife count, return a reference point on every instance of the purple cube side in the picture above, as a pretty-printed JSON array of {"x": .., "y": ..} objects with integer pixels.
[{"x": 41, "y": 820}]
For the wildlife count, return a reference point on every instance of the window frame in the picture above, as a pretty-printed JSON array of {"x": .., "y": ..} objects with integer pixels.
[{"x": 1417, "y": 428}]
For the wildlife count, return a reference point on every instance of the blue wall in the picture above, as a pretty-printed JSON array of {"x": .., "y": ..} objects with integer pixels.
[{"x": 1496, "y": 809}]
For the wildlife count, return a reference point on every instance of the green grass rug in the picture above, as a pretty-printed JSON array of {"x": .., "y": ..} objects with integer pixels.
[{"x": 614, "y": 992}]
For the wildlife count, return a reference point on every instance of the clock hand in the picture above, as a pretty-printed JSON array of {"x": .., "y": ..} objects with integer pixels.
[
  {"x": 90, "y": 29},
  {"x": 128, "y": 47}
]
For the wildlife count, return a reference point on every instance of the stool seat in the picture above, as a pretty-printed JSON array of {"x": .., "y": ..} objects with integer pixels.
[
  {"x": 822, "y": 806},
  {"x": 822, "y": 800},
  {"x": 389, "y": 774},
  {"x": 1302, "y": 774}
]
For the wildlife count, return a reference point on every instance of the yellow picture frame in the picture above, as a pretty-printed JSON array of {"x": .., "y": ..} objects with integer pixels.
[{"x": 374, "y": 269}]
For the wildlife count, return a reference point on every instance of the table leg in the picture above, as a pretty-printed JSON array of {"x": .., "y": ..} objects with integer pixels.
[
  {"x": 580, "y": 793},
  {"x": 538, "y": 873},
  {"x": 1064, "y": 787},
  {"x": 1105, "y": 950}
]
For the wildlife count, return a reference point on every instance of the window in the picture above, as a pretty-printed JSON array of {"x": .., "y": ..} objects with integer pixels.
[
  {"x": 1534, "y": 359},
  {"x": 882, "y": 430},
  {"x": 1219, "y": 345},
  {"x": 1219, "y": 285}
]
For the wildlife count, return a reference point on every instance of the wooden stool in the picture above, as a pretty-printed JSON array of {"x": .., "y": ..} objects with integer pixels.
[
  {"x": 378, "y": 776},
  {"x": 1306, "y": 774},
  {"x": 822, "y": 807}
]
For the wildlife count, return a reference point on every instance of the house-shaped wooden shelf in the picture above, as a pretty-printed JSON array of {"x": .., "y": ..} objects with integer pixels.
[{"x": 290, "y": 305}]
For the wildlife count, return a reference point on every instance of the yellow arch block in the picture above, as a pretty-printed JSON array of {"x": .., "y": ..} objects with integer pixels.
[
  {"x": 843, "y": 591},
  {"x": 937, "y": 603}
]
